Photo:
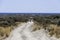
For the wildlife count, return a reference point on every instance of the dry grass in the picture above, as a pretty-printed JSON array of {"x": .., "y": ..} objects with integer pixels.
[
  {"x": 55, "y": 30},
  {"x": 36, "y": 26},
  {"x": 52, "y": 29},
  {"x": 5, "y": 31}
]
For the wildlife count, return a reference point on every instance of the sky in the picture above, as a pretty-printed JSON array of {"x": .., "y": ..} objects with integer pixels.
[{"x": 30, "y": 6}]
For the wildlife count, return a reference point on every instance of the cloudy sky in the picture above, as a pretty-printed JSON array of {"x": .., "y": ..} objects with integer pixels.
[{"x": 30, "y": 6}]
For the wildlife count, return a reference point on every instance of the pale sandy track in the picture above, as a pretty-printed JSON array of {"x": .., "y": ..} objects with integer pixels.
[{"x": 24, "y": 32}]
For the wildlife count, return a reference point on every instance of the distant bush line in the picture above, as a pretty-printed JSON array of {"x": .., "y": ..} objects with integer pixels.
[{"x": 8, "y": 20}]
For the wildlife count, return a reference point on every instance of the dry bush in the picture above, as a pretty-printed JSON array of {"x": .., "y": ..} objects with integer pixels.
[
  {"x": 54, "y": 30},
  {"x": 5, "y": 32},
  {"x": 36, "y": 26}
]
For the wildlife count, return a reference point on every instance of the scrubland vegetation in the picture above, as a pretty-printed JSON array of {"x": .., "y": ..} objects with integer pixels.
[{"x": 48, "y": 22}]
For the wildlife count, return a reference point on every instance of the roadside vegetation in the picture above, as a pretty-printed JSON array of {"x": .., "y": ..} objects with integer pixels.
[{"x": 48, "y": 22}]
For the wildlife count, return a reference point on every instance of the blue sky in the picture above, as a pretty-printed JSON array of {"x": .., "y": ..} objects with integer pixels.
[{"x": 30, "y": 6}]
